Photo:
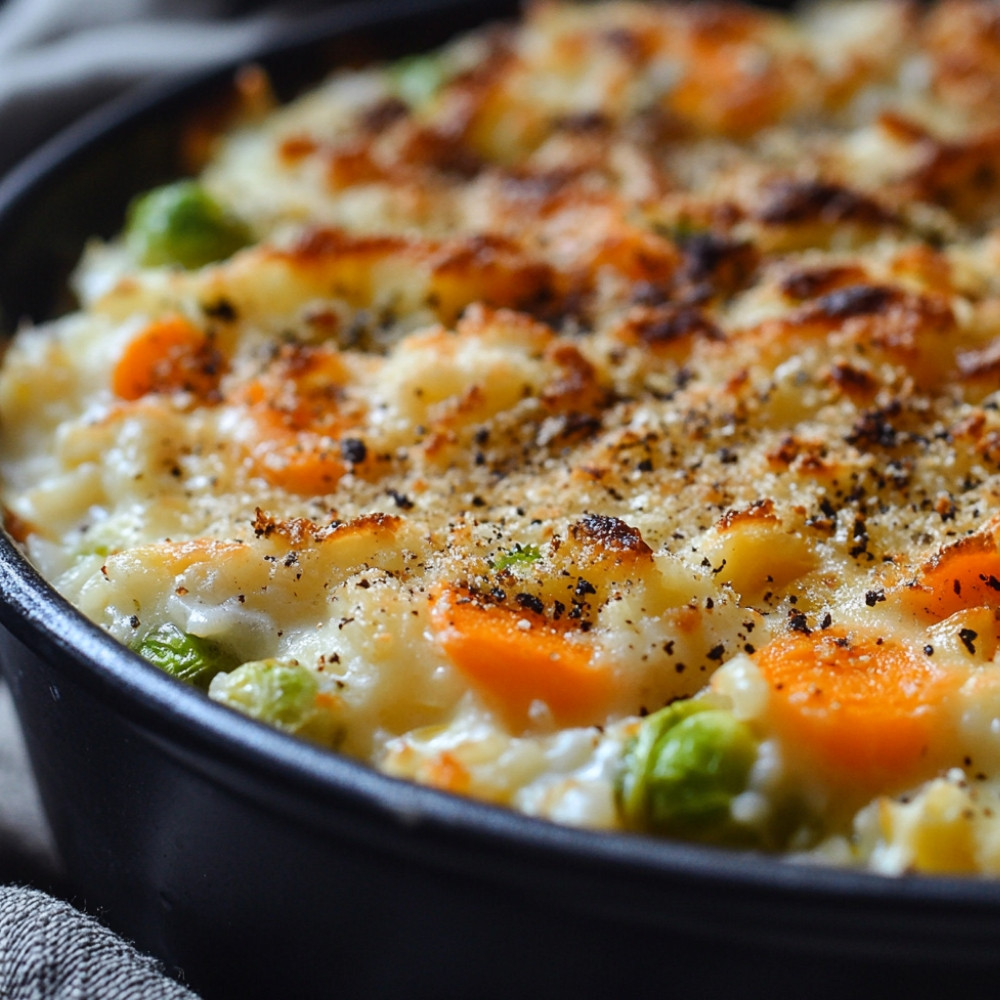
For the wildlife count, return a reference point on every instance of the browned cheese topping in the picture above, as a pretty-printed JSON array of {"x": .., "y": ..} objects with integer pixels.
[{"x": 631, "y": 353}]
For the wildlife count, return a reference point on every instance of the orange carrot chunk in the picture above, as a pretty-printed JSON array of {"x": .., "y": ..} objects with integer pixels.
[
  {"x": 169, "y": 355},
  {"x": 964, "y": 575},
  {"x": 862, "y": 709},
  {"x": 294, "y": 423},
  {"x": 518, "y": 657},
  {"x": 301, "y": 461}
]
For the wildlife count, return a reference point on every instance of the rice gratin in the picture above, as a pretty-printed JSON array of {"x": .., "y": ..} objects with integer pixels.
[{"x": 599, "y": 416}]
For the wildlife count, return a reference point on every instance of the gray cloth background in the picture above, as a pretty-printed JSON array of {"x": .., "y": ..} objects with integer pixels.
[
  {"x": 59, "y": 58},
  {"x": 49, "y": 950}
]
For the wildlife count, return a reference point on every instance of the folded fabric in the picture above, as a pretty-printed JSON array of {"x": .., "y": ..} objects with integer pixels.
[
  {"x": 59, "y": 58},
  {"x": 50, "y": 951}
]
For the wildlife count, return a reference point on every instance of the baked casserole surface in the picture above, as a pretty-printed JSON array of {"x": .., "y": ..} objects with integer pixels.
[{"x": 599, "y": 416}]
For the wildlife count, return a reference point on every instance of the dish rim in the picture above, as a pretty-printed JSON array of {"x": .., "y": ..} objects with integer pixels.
[{"x": 207, "y": 736}]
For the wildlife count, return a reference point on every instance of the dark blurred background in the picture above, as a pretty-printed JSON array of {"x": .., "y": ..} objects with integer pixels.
[{"x": 59, "y": 58}]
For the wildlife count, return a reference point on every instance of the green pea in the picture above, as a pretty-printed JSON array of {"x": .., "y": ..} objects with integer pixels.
[
  {"x": 680, "y": 774},
  {"x": 282, "y": 693},
  {"x": 520, "y": 555},
  {"x": 187, "y": 657},
  {"x": 183, "y": 224},
  {"x": 416, "y": 79}
]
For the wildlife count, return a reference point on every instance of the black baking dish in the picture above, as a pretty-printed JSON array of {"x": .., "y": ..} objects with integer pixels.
[{"x": 258, "y": 866}]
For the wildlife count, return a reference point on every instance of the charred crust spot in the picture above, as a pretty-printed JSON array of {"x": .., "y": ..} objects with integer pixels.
[
  {"x": 503, "y": 272},
  {"x": 856, "y": 300},
  {"x": 666, "y": 325},
  {"x": 758, "y": 511},
  {"x": 444, "y": 151},
  {"x": 980, "y": 364},
  {"x": 297, "y": 531},
  {"x": 808, "y": 283},
  {"x": 294, "y": 531},
  {"x": 354, "y": 164},
  {"x": 319, "y": 244},
  {"x": 873, "y": 429},
  {"x": 611, "y": 534},
  {"x": 806, "y": 456},
  {"x": 376, "y": 522},
  {"x": 852, "y": 380},
  {"x": 576, "y": 388},
  {"x": 378, "y": 117},
  {"x": 714, "y": 265},
  {"x": 960, "y": 175},
  {"x": 790, "y": 202}
]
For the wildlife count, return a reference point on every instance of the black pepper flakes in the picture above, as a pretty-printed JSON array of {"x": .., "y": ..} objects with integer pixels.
[
  {"x": 401, "y": 500},
  {"x": 353, "y": 450},
  {"x": 968, "y": 637},
  {"x": 530, "y": 602},
  {"x": 797, "y": 622}
]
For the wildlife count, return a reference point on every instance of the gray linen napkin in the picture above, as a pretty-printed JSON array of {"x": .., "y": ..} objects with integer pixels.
[
  {"x": 49, "y": 951},
  {"x": 58, "y": 59}
]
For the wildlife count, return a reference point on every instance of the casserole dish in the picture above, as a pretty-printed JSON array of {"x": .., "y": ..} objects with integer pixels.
[{"x": 260, "y": 866}]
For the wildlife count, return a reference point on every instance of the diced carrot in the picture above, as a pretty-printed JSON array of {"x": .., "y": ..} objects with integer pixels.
[
  {"x": 294, "y": 414},
  {"x": 169, "y": 355},
  {"x": 964, "y": 575},
  {"x": 517, "y": 657},
  {"x": 329, "y": 702},
  {"x": 864, "y": 710},
  {"x": 300, "y": 461},
  {"x": 447, "y": 772}
]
